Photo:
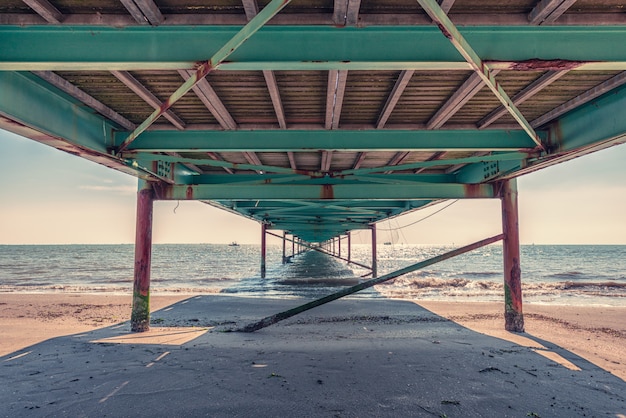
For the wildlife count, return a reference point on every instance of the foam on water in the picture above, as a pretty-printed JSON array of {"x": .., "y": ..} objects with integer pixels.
[{"x": 550, "y": 274}]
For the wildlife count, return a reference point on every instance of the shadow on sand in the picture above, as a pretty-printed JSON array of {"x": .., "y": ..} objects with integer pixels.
[{"x": 350, "y": 358}]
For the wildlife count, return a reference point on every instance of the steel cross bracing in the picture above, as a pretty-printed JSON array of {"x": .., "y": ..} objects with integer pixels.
[{"x": 317, "y": 122}]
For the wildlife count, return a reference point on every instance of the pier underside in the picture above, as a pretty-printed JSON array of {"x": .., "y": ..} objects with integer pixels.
[{"x": 318, "y": 117}]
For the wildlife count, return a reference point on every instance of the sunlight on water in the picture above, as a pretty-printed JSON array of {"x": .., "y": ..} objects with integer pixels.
[{"x": 551, "y": 274}]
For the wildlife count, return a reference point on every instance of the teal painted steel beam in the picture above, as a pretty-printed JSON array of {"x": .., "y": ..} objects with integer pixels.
[
  {"x": 452, "y": 33},
  {"x": 336, "y": 140},
  {"x": 205, "y": 68},
  {"x": 29, "y": 100},
  {"x": 601, "y": 121},
  {"x": 245, "y": 179},
  {"x": 321, "y": 192},
  {"x": 183, "y": 47},
  {"x": 515, "y": 156}
]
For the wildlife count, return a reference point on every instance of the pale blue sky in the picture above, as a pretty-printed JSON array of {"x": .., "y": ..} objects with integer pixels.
[{"x": 52, "y": 197}]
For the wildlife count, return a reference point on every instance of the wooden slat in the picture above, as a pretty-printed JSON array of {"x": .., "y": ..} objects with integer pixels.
[
  {"x": 529, "y": 91},
  {"x": 141, "y": 91},
  {"x": 394, "y": 96},
  {"x": 46, "y": 10},
  {"x": 334, "y": 97},
  {"x": 547, "y": 11},
  {"x": 211, "y": 100}
]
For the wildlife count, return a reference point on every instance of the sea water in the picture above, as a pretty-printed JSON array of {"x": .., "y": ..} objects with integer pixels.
[{"x": 551, "y": 274}]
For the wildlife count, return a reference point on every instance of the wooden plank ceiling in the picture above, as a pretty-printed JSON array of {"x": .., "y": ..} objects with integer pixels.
[{"x": 362, "y": 100}]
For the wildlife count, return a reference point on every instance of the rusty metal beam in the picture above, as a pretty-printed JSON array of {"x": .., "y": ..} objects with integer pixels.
[
  {"x": 205, "y": 68},
  {"x": 581, "y": 99},
  {"x": 548, "y": 11},
  {"x": 144, "y": 11},
  {"x": 472, "y": 85},
  {"x": 211, "y": 100},
  {"x": 334, "y": 97},
  {"x": 270, "y": 320},
  {"x": 64, "y": 85},
  {"x": 147, "y": 96},
  {"x": 528, "y": 92},
  {"x": 452, "y": 33},
  {"x": 46, "y": 10},
  {"x": 394, "y": 97}
]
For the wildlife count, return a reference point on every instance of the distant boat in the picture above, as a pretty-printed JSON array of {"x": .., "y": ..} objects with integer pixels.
[
  {"x": 233, "y": 244},
  {"x": 387, "y": 243}
]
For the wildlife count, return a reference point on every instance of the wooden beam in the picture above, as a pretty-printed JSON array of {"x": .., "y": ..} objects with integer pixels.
[
  {"x": 46, "y": 10},
  {"x": 397, "y": 159},
  {"x": 211, "y": 100},
  {"x": 548, "y": 11},
  {"x": 394, "y": 97},
  {"x": 272, "y": 87},
  {"x": 141, "y": 91},
  {"x": 64, "y": 85},
  {"x": 326, "y": 161},
  {"x": 251, "y": 8},
  {"x": 472, "y": 85},
  {"x": 253, "y": 159},
  {"x": 334, "y": 97},
  {"x": 292, "y": 160},
  {"x": 360, "y": 157},
  {"x": 216, "y": 157},
  {"x": 529, "y": 91},
  {"x": 446, "y": 5},
  {"x": 145, "y": 12},
  {"x": 583, "y": 98},
  {"x": 435, "y": 156}
]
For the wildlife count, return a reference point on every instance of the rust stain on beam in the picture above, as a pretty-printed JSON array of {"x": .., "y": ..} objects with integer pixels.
[{"x": 327, "y": 192}]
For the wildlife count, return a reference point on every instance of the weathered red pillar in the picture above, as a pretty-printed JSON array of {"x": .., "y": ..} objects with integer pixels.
[
  {"x": 513, "y": 316},
  {"x": 140, "y": 316},
  {"x": 293, "y": 245},
  {"x": 263, "y": 249},
  {"x": 374, "y": 264}
]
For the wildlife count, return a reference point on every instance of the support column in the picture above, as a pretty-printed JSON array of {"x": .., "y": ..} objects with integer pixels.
[
  {"x": 513, "y": 316},
  {"x": 263, "y": 249},
  {"x": 374, "y": 265},
  {"x": 293, "y": 245},
  {"x": 140, "y": 316},
  {"x": 339, "y": 246},
  {"x": 284, "y": 247},
  {"x": 349, "y": 249}
]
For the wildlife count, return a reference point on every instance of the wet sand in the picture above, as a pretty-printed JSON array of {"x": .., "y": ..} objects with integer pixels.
[{"x": 597, "y": 334}]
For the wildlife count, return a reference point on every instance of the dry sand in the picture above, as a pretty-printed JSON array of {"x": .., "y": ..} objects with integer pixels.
[
  {"x": 597, "y": 334},
  {"x": 349, "y": 358}
]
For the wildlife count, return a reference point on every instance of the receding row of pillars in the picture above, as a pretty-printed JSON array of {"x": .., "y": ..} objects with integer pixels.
[{"x": 140, "y": 315}]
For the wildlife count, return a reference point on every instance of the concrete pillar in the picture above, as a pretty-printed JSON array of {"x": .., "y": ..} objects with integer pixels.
[
  {"x": 513, "y": 315},
  {"x": 140, "y": 316}
]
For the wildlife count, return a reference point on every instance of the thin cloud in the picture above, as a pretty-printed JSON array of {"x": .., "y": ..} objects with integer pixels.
[{"x": 127, "y": 190}]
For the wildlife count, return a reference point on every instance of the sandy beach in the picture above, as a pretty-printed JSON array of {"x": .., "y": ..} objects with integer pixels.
[
  {"x": 597, "y": 334},
  {"x": 73, "y": 355}
]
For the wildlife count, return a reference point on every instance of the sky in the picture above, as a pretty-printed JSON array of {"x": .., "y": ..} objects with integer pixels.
[{"x": 51, "y": 197}]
